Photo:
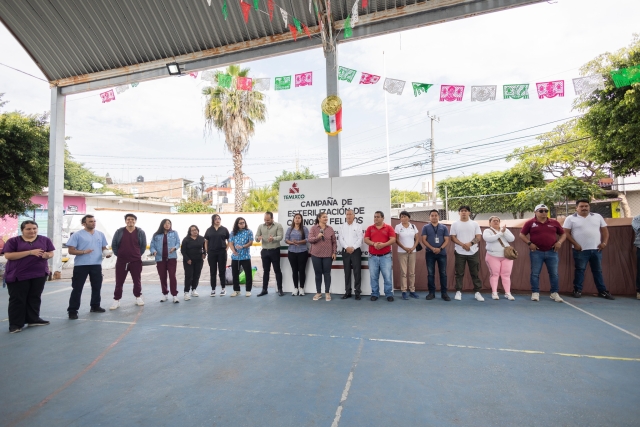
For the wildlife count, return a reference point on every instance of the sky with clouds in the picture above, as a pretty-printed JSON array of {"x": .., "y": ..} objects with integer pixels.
[{"x": 157, "y": 129}]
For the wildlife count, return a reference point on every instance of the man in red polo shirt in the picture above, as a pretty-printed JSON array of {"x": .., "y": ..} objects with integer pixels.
[
  {"x": 380, "y": 237},
  {"x": 544, "y": 236}
]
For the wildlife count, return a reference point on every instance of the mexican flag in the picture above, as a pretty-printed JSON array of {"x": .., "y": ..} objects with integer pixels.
[{"x": 332, "y": 115}]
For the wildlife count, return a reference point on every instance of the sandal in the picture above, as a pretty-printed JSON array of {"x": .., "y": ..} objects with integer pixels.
[
  {"x": 328, "y": 296},
  {"x": 316, "y": 297}
]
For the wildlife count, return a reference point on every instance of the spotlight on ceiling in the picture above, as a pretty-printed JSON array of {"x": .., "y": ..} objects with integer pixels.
[{"x": 174, "y": 69}]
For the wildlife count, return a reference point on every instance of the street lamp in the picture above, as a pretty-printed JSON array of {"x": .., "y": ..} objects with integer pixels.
[{"x": 174, "y": 69}]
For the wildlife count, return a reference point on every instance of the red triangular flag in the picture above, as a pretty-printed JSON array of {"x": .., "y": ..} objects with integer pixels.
[
  {"x": 270, "y": 8},
  {"x": 365, "y": 3},
  {"x": 246, "y": 7},
  {"x": 306, "y": 30},
  {"x": 294, "y": 32}
]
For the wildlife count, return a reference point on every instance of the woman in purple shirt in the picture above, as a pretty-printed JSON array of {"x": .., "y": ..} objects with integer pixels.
[{"x": 26, "y": 274}]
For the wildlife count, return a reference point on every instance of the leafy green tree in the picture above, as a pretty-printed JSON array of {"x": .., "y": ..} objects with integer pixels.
[
  {"x": 234, "y": 113},
  {"x": 557, "y": 192},
  {"x": 261, "y": 199},
  {"x": 77, "y": 177},
  {"x": 612, "y": 116},
  {"x": 305, "y": 173},
  {"x": 24, "y": 153},
  {"x": 404, "y": 196},
  {"x": 194, "y": 206},
  {"x": 2, "y": 103},
  {"x": 485, "y": 193}
]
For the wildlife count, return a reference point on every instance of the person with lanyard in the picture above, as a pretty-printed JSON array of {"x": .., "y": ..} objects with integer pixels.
[
  {"x": 216, "y": 240},
  {"x": 435, "y": 238},
  {"x": 589, "y": 235},
  {"x": 407, "y": 240},
  {"x": 466, "y": 234},
  {"x": 193, "y": 255},
  {"x": 323, "y": 253},
  {"x": 164, "y": 247},
  {"x": 26, "y": 274},
  {"x": 298, "y": 254},
  {"x": 87, "y": 245},
  {"x": 380, "y": 237},
  {"x": 544, "y": 237},
  {"x": 270, "y": 234},
  {"x": 128, "y": 244},
  {"x": 240, "y": 240},
  {"x": 350, "y": 237}
]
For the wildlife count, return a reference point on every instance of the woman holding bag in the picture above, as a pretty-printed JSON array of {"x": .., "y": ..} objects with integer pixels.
[{"x": 498, "y": 238}]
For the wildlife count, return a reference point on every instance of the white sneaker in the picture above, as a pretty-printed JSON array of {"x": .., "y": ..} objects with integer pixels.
[
  {"x": 479, "y": 297},
  {"x": 176, "y": 300},
  {"x": 494, "y": 295},
  {"x": 235, "y": 294},
  {"x": 223, "y": 292},
  {"x": 509, "y": 297},
  {"x": 116, "y": 304},
  {"x": 535, "y": 296},
  {"x": 163, "y": 299},
  {"x": 247, "y": 294},
  {"x": 139, "y": 300},
  {"x": 295, "y": 292},
  {"x": 194, "y": 293},
  {"x": 458, "y": 296},
  {"x": 302, "y": 292},
  {"x": 213, "y": 292},
  {"x": 187, "y": 297},
  {"x": 554, "y": 296}
]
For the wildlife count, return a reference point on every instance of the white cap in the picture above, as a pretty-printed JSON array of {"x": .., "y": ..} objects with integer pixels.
[{"x": 541, "y": 206}]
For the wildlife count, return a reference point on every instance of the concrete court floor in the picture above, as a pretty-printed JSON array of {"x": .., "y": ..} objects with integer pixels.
[{"x": 290, "y": 361}]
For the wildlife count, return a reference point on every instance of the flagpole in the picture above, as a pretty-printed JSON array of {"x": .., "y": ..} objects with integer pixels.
[{"x": 386, "y": 110}]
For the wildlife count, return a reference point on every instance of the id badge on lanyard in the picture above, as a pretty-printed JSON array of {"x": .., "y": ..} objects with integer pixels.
[{"x": 437, "y": 240}]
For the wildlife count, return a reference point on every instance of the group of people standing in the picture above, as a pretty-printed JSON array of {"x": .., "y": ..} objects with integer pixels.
[{"x": 27, "y": 255}]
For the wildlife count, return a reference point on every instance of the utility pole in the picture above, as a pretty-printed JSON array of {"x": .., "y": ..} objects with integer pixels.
[
  {"x": 202, "y": 187},
  {"x": 433, "y": 157}
]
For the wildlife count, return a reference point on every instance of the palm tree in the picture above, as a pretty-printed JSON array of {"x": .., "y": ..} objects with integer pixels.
[
  {"x": 262, "y": 199},
  {"x": 234, "y": 112}
]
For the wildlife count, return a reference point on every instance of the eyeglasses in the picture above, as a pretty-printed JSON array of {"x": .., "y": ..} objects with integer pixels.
[
  {"x": 241, "y": 223},
  {"x": 543, "y": 211}
]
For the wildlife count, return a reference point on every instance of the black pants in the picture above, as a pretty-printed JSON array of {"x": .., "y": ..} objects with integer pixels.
[
  {"x": 192, "y": 273},
  {"x": 217, "y": 266},
  {"x": 269, "y": 257},
  {"x": 80, "y": 273},
  {"x": 248, "y": 274},
  {"x": 353, "y": 262},
  {"x": 322, "y": 267},
  {"x": 298, "y": 261},
  {"x": 638, "y": 268},
  {"x": 24, "y": 301}
]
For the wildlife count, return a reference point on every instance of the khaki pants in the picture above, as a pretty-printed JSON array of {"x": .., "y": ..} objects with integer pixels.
[{"x": 408, "y": 270}]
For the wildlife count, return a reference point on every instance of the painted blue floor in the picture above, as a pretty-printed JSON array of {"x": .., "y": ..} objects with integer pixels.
[{"x": 286, "y": 361}]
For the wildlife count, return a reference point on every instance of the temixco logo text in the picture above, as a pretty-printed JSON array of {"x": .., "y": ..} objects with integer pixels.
[{"x": 294, "y": 193}]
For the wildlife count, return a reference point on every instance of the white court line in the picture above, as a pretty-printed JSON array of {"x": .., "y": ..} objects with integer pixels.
[
  {"x": 398, "y": 341},
  {"x": 59, "y": 290},
  {"x": 345, "y": 392},
  {"x": 602, "y": 320},
  {"x": 96, "y": 320}
]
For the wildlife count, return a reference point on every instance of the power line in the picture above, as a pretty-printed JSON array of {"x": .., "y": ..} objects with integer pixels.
[{"x": 24, "y": 72}]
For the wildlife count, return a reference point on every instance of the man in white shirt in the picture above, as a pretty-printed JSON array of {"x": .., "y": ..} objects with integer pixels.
[
  {"x": 350, "y": 239},
  {"x": 589, "y": 235},
  {"x": 466, "y": 235}
]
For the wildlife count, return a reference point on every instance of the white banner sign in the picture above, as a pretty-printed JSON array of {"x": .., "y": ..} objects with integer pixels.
[{"x": 363, "y": 194}]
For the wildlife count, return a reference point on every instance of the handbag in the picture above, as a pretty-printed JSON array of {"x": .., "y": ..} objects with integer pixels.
[
  {"x": 509, "y": 251},
  {"x": 419, "y": 247}
]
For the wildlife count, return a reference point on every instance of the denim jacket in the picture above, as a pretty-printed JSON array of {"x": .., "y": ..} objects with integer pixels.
[{"x": 173, "y": 241}]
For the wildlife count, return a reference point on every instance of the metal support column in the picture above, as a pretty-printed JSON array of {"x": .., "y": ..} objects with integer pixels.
[
  {"x": 335, "y": 157},
  {"x": 56, "y": 176}
]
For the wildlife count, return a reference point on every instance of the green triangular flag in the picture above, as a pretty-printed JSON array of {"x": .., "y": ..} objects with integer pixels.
[
  {"x": 626, "y": 76},
  {"x": 256, "y": 3},
  {"x": 225, "y": 10},
  {"x": 224, "y": 80},
  {"x": 297, "y": 24},
  {"x": 348, "y": 31},
  {"x": 419, "y": 88}
]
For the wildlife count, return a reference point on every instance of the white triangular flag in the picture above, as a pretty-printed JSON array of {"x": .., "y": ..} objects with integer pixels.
[
  {"x": 284, "y": 16},
  {"x": 354, "y": 14}
]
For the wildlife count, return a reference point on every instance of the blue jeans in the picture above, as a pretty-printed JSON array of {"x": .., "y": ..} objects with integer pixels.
[
  {"x": 550, "y": 258},
  {"x": 377, "y": 265},
  {"x": 592, "y": 257},
  {"x": 441, "y": 259}
]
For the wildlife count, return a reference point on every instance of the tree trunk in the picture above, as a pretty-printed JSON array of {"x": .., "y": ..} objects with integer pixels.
[
  {"x": 239, "y": 180},
  {"x": 624, "y": 205}
]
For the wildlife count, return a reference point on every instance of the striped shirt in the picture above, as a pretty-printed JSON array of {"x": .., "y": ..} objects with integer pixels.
[{"x": 319, "y": 247}]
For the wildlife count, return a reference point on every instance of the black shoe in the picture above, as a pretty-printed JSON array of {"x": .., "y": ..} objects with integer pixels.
[
  {"x": 605, "y": 295},
  {"x": 390, "y": 299},
  {"x": 280, "y": 292},
  {"x": 577, "y": 294},
  {"x": 430, "y": 297},
  {"x": 14, "y": 329},
  {"x": 73, "y": 315},
  {"x": 358, "y": 297},
  {"x": 39, "y": 322},
  {"x": 264, "y": 292},
  {"x": 97, "y": 310},
  {"x": 345, "y": 296},
  {"x": 374, "y": 298},
  {"x": 446, "y": 297}
]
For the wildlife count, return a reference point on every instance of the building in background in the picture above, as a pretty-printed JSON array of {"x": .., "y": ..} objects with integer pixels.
[
  {"x": 223, "y": 196},
  {"x": 166, "y": 190}
]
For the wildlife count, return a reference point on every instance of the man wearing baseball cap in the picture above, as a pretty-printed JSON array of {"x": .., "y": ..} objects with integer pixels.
[{"x": 544, "y": 236}]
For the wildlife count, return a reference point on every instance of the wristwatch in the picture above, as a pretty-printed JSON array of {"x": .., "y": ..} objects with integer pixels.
[{"x": 529, "y": 243}]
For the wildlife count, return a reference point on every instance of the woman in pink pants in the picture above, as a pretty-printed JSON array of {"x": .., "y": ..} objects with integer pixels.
[{"x": 499, "y": 266}]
